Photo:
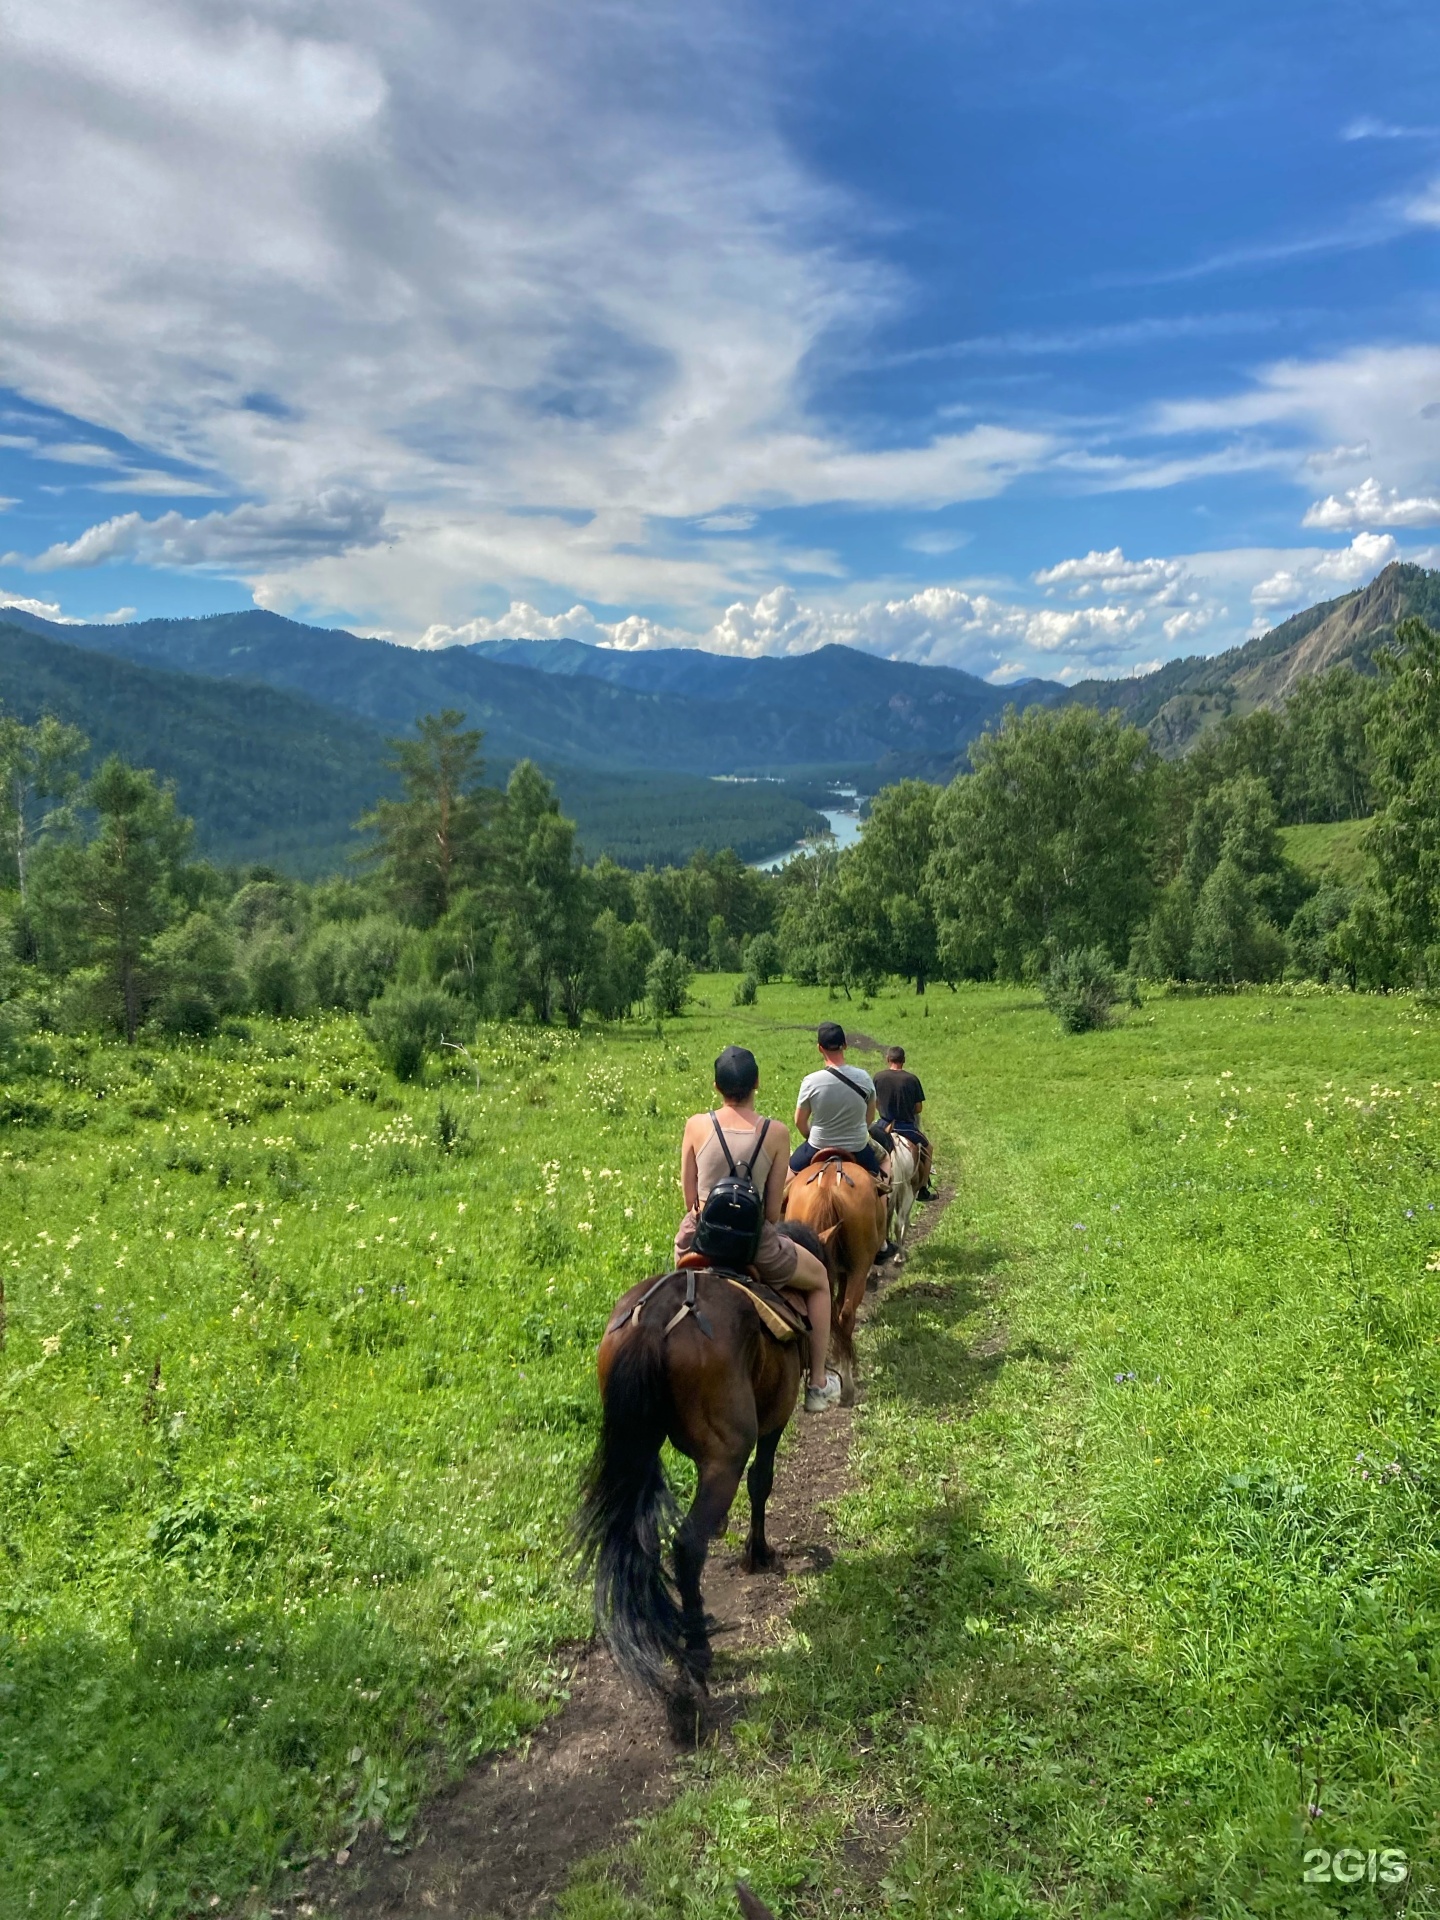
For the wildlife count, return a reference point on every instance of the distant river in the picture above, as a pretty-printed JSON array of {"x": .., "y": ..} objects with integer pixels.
[{"x": 844, "y": 824}]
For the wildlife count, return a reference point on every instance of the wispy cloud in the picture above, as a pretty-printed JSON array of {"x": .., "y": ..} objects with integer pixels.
[
  {"x": 1367, "y": 127},
  {"x": 150, "y": 480},
  {"x": 1108, "y": 337}
]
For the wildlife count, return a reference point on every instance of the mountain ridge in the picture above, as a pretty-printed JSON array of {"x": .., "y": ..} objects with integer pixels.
[
  {"x": 838, "y": 710},
  {"x": 835, "y": 711}
]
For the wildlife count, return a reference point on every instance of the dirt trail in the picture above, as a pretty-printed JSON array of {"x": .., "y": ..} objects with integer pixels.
[{"x": 501, "y": 1844}]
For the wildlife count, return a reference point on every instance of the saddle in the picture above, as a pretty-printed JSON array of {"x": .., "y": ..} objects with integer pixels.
[
  {"x": 780, "y": 1320},
  {"x": 828, "y": 1156}
]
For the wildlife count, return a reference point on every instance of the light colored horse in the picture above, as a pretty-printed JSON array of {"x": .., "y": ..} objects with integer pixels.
[{"x": 904, "y": 1186}]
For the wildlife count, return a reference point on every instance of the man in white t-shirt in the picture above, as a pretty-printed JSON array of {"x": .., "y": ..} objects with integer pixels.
[{"x": 836, "y": 1106}]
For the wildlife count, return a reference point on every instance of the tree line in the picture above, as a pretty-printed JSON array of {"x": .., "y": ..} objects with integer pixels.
[
  {"x": 1066, "y": 835},
  {"x": 472, "y": 903},
  {"x": 1069, "y": 835}
]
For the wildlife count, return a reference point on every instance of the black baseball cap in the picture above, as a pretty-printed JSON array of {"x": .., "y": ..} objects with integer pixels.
[
  {"x": 831, "y": 1036},
  {"x": 737, "y": 1072}
]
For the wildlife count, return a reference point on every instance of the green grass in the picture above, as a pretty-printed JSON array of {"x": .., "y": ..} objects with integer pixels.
[
  {"x": 1112, "y": 1556},
  {"x": 1329, "y": 850}
]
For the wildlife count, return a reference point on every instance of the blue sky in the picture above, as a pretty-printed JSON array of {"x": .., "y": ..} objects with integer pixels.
[{"x": 1029, "y": 338}]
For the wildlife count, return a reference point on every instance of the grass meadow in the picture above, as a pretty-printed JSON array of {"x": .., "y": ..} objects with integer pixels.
[{"x": 1140, "y": 1596}]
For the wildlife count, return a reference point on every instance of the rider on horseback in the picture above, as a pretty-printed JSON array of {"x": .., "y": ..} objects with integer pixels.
[
  {"x": 835, "y": 1108},
  {"x": 714, "y": 1144},
  {"x": 902, "y": 1100}
]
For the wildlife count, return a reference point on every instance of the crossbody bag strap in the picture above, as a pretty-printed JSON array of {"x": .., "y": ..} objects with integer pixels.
[{"x": 846, "y": 1081}]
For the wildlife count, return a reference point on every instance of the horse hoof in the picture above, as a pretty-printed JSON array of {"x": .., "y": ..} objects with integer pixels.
[{"x": 767, "y": 1562}]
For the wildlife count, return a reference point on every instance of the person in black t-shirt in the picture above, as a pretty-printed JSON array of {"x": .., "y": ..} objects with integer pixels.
[{"x": 901, "y": 1099}]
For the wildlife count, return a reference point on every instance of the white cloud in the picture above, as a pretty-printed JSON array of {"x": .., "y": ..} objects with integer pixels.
[
  {"x": 1371, "y": 505},
  {"x": 1374, "y": 402},
  {"x": 938, "y": 540},
  {"x": 503, "y": 268},
  {"x": 51, "y": 610},
  {"x": 1151, "y": 609},
  {"x": 1112, "y": 573},
  {"x": 247, "y": 536},
  {"x": 170, "y": 486},
  {"x": 1424, "y": 209},
  {"x": 79, "y": 453},
  {"x": 1317, "y": 575},
  {"x": 1367, "y": 127},
  {"x": 42, "y": 609},
  {"x": 520, "y": 621}
]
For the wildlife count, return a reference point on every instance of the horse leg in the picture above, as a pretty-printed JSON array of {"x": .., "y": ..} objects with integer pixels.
[
  {"x": 847, "y": 1309},
  {"x": 719, "y": 1482},
  {"x": 760, "y": 1557}
]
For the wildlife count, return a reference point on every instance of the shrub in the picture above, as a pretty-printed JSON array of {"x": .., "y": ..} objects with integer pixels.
[
  {"x": 667, "y": 983},
  {"x": 1081, "y": 988},
  {"x": 17, "y": 1023},
  {"x": 277, "y": 982},
  {"x": 406, "y": 1023},
  {"x": 746, "y": 989},
  {"x": 1309, "y": 953},
  {"x": 1234, "y": 939},
  {"x": 1161, "y": 950},
  {"x": 762, "y": 958},
  {"x": 195, "y": 976},
  {"x": 351, "y": 963}
]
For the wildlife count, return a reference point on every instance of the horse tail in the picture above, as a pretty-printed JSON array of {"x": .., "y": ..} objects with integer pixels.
[
  {"x": 626, "y": 1511},
  {"x": 822, "y": 1196}
]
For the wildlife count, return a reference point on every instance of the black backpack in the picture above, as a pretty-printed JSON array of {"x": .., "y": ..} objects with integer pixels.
[{"x": 730, "y": 1222}]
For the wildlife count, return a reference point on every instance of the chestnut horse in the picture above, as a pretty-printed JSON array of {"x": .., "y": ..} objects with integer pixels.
[
  {"x": 837, "y": 1199},
  {"x": 713, "y": 1382}
]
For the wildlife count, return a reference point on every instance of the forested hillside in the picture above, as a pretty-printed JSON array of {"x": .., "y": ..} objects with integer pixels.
[
  {"x": 1184, "y": 698},
  {"x": 266, "y": 776},
  {"x": 272, "y": 777}
]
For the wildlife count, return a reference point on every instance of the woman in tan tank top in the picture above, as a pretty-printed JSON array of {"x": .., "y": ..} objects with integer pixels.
[{"x": 778, "y": 1260}]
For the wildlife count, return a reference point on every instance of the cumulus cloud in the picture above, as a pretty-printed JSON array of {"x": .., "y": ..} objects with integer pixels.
[
  {"x": 247, "y": 536},
  {"x": 51, "y": 610},
  {"x": 1317, "y": 576},
  {"x": 940, "y": 626},
  {"x": 1371, "y": 505},
  {"x": 1112, "y": 573}
]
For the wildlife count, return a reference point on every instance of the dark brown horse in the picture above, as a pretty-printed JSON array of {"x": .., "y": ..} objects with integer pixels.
[
  {"x": 719, "y": 1387},
  {"x": 838, "y": 1201}
]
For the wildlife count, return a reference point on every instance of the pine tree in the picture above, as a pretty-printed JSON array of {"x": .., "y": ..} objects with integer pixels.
[{"x": 433, "y": 843}]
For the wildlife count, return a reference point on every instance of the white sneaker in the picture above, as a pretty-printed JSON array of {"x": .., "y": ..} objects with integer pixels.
[{"x": 821, "y": 1399}]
